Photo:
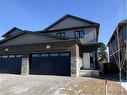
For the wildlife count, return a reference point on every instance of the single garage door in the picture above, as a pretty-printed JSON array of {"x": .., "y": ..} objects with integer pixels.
[
  {"x": 10, "y": 63},
  {"x": 50, "y": 63}
]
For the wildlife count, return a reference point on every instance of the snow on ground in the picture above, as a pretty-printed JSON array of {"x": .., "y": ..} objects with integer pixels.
[
  {"x": 35, "y": 84},
  {"x": 45, "y": 84},
  {"x": 124, "y": 84},
  {"x": 3, "y": 77}
]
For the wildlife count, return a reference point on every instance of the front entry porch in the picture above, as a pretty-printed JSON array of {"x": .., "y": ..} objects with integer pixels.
[{"x": 89, "y": 65}]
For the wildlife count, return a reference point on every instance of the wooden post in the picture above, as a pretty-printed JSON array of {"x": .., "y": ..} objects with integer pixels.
[{"x": 106, "y": 87}]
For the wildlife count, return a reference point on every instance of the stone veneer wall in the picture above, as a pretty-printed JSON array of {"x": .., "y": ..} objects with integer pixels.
[
  {"x": 25, "y": 66},
  {"x": 75, "y": 62},
  {"x": 75, "y": 66}
]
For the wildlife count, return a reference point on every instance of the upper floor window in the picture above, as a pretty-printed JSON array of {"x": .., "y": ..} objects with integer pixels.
[
  {"x": 61, "y": 34},
  {"x": 79, "y": 34}
]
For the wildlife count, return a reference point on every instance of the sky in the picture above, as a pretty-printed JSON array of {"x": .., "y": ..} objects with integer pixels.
[{"x": 38, "y": 14}]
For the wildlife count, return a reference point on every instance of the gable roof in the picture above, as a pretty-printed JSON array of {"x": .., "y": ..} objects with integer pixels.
[
  {"x": 71, "y": 16},
  {"x": 44, "y": 32},
  {"x": 121, "y": 23},
  {"x": 35, "y": 33},
  {"x": 11, "y": 30}
]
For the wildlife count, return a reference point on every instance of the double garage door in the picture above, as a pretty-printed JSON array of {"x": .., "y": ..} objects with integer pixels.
[
  {"x": 50, "y": 63},
  {"x": 53, "y": 63},
  {"x": 10, "y": 63}
]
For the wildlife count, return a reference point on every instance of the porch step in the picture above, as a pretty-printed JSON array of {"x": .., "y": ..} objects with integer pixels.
[{"x": 89, "y": 73}]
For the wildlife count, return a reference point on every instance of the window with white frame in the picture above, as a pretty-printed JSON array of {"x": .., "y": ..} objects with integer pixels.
[
  {"x": 60, "y": 34},
  {"x": 79, "y": 34}
]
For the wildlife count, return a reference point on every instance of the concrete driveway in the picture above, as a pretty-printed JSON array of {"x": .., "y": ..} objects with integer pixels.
[{"x": 35, "y": 84}]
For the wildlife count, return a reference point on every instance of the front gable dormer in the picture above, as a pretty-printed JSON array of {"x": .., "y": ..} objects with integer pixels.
[{"x": 69, "y": 21}]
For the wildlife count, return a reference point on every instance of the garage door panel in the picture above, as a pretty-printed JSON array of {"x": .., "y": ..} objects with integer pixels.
[
  {"x": 43, "y": 69},
  {"x": 64, "y": 67},
  {"x": 15, "y": 65},
  {"x": 10, "y": 64},
  {"x": 50, "y": 64},
  {"x": 37, "y": 66},
  {"x": 3, "y": 66},
  {"x": 38, "y": 61}
]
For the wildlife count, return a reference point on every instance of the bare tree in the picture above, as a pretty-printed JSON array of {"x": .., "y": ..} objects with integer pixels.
[{"x": 120, "y": 54}]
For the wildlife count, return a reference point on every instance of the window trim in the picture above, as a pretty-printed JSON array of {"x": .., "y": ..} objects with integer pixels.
[
  {"x": 81, "y": 34},
  {"x": 60, "y": 34}
]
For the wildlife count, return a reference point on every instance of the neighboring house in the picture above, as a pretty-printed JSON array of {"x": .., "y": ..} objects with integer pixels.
[
  {"x": 60, "y": 49},
  {"x": 113, "y": 44}
]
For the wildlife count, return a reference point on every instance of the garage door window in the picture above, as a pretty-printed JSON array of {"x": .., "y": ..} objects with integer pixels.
[
  {"x": 44, "y": 55},
  {"x": 4, "y": 56},
  {"x": 18, "y": 56},
  {"x": 11, "y": 56},
  {"x": 64, "y": 54},
  {"x": 35, "y": 55},
  {"x": 54, "y": 54}
]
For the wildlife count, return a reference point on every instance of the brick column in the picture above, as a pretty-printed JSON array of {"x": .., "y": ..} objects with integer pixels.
[{"x": 25, "y": 66}]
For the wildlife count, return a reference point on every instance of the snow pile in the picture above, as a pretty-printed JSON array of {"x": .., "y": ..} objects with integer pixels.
[{"x": 57, "y": 92}]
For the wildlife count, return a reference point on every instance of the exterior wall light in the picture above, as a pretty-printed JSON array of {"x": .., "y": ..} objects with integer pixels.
[
  {"x": 48, "y": 47},
  {"x": 6, "y": 49}
]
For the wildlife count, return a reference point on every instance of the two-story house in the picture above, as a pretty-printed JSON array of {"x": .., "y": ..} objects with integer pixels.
[
  {"x": 118, "y": 40},
  {"x": 63, "y": 48}
]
